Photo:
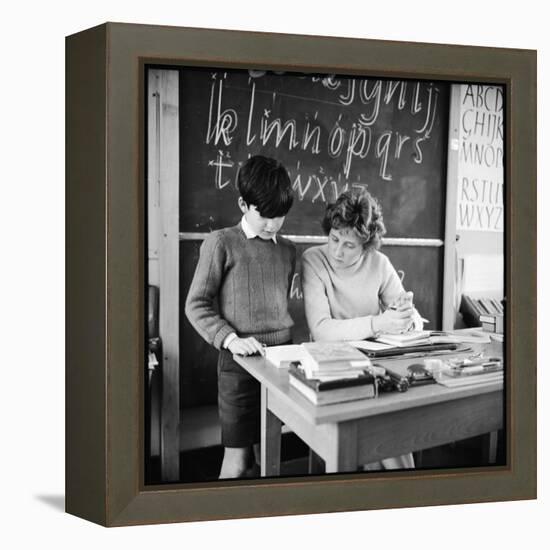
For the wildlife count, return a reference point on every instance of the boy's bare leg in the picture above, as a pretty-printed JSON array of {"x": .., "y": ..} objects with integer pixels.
[{"x": 234, "y": 462}]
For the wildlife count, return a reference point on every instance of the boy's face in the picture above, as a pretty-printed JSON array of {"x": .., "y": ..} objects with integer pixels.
[{"x": 266, "y": 228}]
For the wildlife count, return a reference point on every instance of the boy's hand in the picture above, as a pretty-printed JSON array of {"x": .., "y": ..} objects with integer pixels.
[{"x": 245, "y": 346}]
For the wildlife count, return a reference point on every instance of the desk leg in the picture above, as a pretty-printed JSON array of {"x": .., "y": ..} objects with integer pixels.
[
  {"x": 490, "y": 442},
  {"x": 343, "y": 449},
  {"x": 270, "y": 444},
  {"x": 316, "y": 465}
]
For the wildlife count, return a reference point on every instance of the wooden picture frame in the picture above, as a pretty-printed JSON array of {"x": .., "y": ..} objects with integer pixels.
[{"x": 105, "y": 174}]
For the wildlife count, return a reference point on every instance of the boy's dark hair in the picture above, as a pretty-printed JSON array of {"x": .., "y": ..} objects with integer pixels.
[
  {"x": 265, "y": 183},
  {"x": 359, "y": 211}
]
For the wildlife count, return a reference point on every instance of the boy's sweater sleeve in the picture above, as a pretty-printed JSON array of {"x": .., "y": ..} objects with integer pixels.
[
  {"x": 201, "y": 304},
  {"x": 320, "y": 322}
]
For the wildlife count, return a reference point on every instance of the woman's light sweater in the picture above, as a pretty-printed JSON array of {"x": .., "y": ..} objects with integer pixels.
[{"x": 341, "y": 301}]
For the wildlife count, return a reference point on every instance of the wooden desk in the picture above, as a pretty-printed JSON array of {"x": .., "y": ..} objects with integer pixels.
[{"x": 347, "y": 435}]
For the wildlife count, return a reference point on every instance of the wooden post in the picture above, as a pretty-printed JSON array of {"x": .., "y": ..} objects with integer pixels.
[
  {"x": 450, "y": 258},
  {"x": 163, "y": 210}
]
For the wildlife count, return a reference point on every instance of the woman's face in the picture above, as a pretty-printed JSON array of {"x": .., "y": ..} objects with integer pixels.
[{"x": 344, "y": 247}]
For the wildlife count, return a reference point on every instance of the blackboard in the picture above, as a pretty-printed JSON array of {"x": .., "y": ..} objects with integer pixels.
[{"x": 332, "y": 133}]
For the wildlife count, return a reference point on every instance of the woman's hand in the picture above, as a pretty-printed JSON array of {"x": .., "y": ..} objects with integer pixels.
[
  {"x": 417, "y": 321},
  {"x": 245, "y": 346},
  {"x": 403, "y": 302},
  {"x": 393, "y": 320}
]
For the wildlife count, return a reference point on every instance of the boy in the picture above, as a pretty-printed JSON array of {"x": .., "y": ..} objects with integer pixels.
[{"x": 238, "y": 300}]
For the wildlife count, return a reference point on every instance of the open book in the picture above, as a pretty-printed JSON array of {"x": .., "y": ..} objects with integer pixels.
[
  {"x": 333, "y": 358},
  {"x": 410, "y": 338},
  {"x": 388, "y": 341}
]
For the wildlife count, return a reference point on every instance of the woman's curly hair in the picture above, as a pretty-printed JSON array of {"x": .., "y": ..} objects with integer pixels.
[{"x": 360, "y": 211}]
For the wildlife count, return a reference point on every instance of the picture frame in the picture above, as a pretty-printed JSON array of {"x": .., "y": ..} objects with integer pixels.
[{"x": 105, "y": 174}]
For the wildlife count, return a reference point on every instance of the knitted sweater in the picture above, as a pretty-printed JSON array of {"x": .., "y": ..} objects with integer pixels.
[
  {"x": 341, "y": 301},
  {"x": 242, "y": 285}
]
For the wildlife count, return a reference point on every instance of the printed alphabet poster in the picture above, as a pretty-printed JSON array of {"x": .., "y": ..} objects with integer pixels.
[{"x": 480, "y": 161}]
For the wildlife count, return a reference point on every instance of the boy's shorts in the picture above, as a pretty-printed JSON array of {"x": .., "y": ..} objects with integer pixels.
[{"x": 238, "y": 403}]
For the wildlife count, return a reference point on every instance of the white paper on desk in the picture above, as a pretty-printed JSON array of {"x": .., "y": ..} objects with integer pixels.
[
  {"x": 471, "y": 336},
  {"x": 281, "y": 356},
  {"x": 369, "y": 345}
]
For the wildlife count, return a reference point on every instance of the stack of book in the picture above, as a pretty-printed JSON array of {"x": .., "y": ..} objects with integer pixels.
[
  {"x": 332, "y": 372},
  {"x": 336, "y": 390},
  {"x": 472, "y": 309},
  {"x": 492, "y": 323}
]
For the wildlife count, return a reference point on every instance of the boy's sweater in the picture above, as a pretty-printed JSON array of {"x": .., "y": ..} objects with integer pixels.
[{"x": 242, "y": 285}]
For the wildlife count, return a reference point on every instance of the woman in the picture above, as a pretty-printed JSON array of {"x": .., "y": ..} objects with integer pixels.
[{"x": 351, "y": 290}]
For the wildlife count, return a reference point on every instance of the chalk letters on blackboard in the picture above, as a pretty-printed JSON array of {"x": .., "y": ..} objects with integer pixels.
[{"x": 348, "y": 139}]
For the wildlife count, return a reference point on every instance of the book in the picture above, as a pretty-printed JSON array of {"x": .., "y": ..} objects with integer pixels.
[
  {"x": 474, "y": 336},
  {"x": 282, "y": 356},
  {"x": 373, "y": 348},
  {"x": 492, "y": 323},
  {"x": 412, "y": 337},
  {"x": 334, "y": 391},
  {"x": 470, "y": 310},
  {"x": 416, "y": 350},
  {"x": 458, "y": 381},
  {"x": 475, "y": 369},
  {"x": 346, "y": 375},
  {"x": 473, "y": 310},
  {"x": 369, "y": 345},
  {"x": 332, "y": 358}
]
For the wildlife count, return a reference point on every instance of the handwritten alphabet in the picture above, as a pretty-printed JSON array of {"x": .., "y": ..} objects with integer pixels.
[{"x": 357, "y": 134}]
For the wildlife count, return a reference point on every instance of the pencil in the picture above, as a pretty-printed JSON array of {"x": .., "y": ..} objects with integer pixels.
[{"x": 421, "y": 318}]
